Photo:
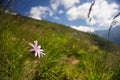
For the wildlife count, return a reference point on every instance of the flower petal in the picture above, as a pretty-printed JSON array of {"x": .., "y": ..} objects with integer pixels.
[
  {"x": 31, "y": 45},
  {"x": 42, "y": 50},
  {"x": 36, "y": 54},
  {"x": 42, "y": 53},
  {"x": 35, "y": 43},
  {"x": 39, "y": 46},
  {"x": 31, "y": 50}
]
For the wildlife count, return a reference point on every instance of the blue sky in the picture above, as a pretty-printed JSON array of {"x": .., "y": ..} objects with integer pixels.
[{"x": 72, "y": 13}]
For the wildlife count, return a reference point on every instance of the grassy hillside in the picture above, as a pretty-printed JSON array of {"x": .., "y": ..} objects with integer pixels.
[{"x": 69, "y": 54}]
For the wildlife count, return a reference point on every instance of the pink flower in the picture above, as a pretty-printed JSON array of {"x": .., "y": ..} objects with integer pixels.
[{"x": 37, "y": 49}]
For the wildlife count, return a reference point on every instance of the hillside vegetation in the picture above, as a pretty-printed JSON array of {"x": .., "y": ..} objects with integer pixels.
[{"x": 69, "y": 54}]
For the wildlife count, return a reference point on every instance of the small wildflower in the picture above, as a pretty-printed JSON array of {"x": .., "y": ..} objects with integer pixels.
[{"x": 37, "y": 49}]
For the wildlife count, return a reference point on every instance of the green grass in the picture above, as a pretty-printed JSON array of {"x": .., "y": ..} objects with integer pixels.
[{"x": 69, "y": 54}]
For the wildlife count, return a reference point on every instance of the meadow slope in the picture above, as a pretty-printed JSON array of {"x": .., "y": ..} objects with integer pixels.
[{"x": 69, "y": 54}]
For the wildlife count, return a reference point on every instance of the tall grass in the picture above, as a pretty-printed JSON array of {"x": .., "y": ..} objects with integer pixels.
[
  {"x": 112, "y": 74},
  {"x": 112, "y": 24}
]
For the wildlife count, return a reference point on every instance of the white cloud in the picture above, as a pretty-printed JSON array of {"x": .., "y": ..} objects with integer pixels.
[
  {"x": 101, "y": 14},
  {"x": 66, "y": 3},
  {"x": 50, "y": 12},
  {"x": 69, "y": 3},
  {"x": 40, "y": 12},
  {"x": 83, "y": 28},
  {"x": 54, "y": 4},
  {"x": 57, "y": 18},
  {"x": 61, "y": 11},
  {"x": 79, "y": 12},
  {"x": 13, "y": 13}
]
